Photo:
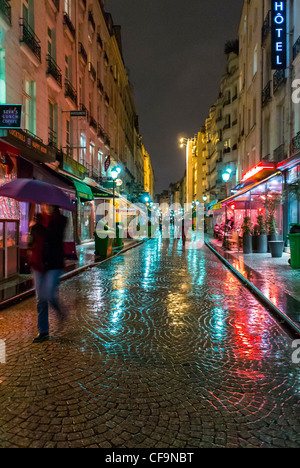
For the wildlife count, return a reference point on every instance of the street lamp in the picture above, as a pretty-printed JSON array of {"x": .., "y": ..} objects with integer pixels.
[
  {"x": 226, "y": 176},
  {"x": 115, "y": 174}
]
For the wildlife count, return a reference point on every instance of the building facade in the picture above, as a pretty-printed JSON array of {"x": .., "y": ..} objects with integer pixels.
[{"x": 62, "y": 61}]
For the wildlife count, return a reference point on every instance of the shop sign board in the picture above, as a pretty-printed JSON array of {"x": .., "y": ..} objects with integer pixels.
[
  {"x": 107, "y": 163},
  {"x": 30, "y": 146},
  {"x": 10, "y": 116},
  {"x": 279, "y": 34}
]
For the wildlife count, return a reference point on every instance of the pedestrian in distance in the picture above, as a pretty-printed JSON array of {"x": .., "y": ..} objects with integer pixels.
[{"x": 47, "y": 263}]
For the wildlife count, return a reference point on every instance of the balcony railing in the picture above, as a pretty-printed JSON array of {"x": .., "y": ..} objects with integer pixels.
[
  {"x": 101, "y": 133},
  {"x": 55, "y": 3},
  {"x": 266, "y": 94},
  {"x": 82, "y": 52},
  {"x": 100, "y": 86},
  {"x": 295, "y": 144},
  {"x": 5, "y": 10},
  {"x": 93, "y": 123},
  {"x": 278, "y": 79},
  {"x": 266, "y": 29},
  {"x": 92, "y": 71},
  {"x": 296, "y": 48},
  {"x": 29, "y": 38},
  {"x": 70, "y": 91},
  {"x": 69, "y": 24},
  {"x": 54, "y": 70},
  {"x": 91, "y": 20},
  {"x": 279, "y": 153},
  {"x": 52, "y": 138}
]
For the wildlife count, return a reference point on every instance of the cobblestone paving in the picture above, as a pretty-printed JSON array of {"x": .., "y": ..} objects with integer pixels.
[{"x": 163, "y": 349}]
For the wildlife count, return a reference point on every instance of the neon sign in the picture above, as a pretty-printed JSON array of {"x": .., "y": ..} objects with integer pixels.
[
  {"x": 279, "y": 33},
  {"x": 256, "y": 170}
]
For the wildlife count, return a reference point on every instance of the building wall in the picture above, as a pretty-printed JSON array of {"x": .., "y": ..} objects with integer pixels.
[{"x": 85, "y": 49}]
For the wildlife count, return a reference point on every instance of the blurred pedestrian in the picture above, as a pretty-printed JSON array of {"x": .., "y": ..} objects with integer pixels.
[{"x": 47, "y": 263}]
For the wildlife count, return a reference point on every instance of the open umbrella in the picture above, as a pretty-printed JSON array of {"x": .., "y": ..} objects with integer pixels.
[{"x": 36, "y": 191}]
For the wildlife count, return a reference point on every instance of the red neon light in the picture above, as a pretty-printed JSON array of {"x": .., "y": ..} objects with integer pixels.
[
  {"x": 233, "y": 207},
  {"x": 256, "y": 169}
]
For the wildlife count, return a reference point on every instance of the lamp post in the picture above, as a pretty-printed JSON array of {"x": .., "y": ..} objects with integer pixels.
[
  {"x": 115, "y": 174},
  {"x": 226, "y": 176}
]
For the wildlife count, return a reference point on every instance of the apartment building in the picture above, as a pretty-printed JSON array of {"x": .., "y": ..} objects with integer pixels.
[{"x": 63, "y": 61}]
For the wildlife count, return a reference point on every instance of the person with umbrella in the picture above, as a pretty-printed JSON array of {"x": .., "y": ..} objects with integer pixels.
[
  {"x": 47, "y": 249},
  {"x": 47, "y": 263}
]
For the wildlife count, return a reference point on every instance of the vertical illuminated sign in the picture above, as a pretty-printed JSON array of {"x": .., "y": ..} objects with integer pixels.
[{"x": 279, "y": 32}]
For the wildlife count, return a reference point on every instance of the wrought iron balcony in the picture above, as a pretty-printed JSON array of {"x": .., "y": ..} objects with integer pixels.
[
  {"x": 52, "y": 138},
  {"x": 91, "y": 20},
  {"x": 70, "y": 91},
  {"x": 55, "y": 3},
  {"x": 278, "y": 79},
  {"x": 295, "y": 144},
  {"x": 101, "y": 133},
  {"x": 92, "y": 71},
  {"x": 279, "y": 153},
  {"x": 93, "y": 123},
  {"x": 296, "y": 48},
  {"x": 69, "y": 25},
  {"x": 266, "y": 29},
  {"x": 82, "y": 52},
  {"x": 54, "y": 70},
  {"x": 100, "y": 86},
  {"x": 5, "y": 10},
  {"x": 29, "y": 38},
  {"x": 266, "y": 94}
]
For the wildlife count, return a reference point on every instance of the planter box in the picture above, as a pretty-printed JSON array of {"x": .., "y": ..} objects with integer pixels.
[
  {"x": 262, "y": 243},
  {"x": 247, "y": 244},
  {"x": 276, "y": 248}
]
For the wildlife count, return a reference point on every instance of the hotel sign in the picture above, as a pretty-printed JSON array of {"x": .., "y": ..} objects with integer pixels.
[{"x": 279, "y": 34}]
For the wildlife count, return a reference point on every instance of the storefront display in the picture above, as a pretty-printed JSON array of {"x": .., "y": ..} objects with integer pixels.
[
  {"x": 259, "y": 202},
  {"x": 9, "y": 222}
]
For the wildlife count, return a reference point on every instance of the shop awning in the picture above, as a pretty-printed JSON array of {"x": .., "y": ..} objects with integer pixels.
[
  {"x": 289, "y": 163},
  {"x": 248, "y": 188},
  {"x": 84, "y": 192}
]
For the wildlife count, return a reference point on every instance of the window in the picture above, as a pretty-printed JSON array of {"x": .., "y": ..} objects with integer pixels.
[
  {"x": 29, "y": 97},
  {"x": 82, "y": 148},
  {"x": 92, "y": 154},
  {"x": 255, "y": 60}
]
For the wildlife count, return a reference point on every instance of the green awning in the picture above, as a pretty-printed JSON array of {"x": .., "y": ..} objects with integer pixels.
[{"x": 84, "y": 192}]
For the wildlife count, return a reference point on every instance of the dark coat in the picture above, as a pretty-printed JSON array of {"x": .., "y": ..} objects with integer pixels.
[{"x": 53, "y": 255}]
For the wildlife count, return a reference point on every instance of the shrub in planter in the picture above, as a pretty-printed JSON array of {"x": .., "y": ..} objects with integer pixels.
[
  {"x": 247, "y": 238},
  {"x": 262, "y": 241},
  {"x": 255, "y": 237}
]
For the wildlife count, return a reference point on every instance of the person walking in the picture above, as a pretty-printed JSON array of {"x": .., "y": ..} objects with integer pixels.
[{"x": 47, "y": 263}]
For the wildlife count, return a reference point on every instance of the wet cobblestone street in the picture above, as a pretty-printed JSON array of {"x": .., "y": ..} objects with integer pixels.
[{"x": 163, "y": 348}]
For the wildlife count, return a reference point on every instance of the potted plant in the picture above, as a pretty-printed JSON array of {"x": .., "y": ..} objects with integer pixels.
[
  {"x": 262, "y": 241},
  {"x": 247, "y": 237},
  {"x": 255, "y": 236}
]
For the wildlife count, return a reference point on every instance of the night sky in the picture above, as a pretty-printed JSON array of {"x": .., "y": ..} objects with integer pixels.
[{"x": 174, "y": 50}]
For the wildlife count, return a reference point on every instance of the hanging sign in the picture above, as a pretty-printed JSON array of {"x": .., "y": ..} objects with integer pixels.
[
  {"x": 107, "y": 163},
  {"x": 279, "y": 33}
]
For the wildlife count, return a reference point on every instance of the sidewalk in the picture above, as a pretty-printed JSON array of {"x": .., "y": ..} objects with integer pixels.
[
  {"x": 274, "y": 279},
  {"x": 21, "y": 287}
]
